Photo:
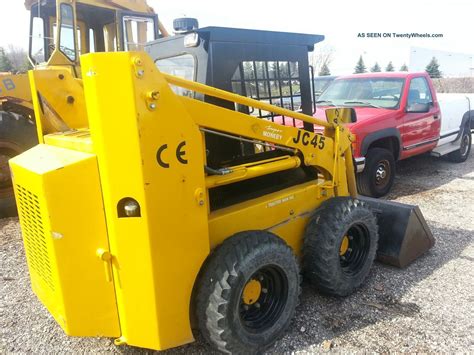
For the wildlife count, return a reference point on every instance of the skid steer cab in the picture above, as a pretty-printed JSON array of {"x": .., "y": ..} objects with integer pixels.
[{"x": 180, "y": 201}]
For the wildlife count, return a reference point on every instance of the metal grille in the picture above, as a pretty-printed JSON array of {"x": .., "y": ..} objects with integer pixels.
[
  {"x": 29, "y": 209},
  {"x": 276, "y": 83}
]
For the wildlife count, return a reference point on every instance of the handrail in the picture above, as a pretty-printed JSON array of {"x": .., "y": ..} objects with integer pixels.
[{"x": 225, "y": 95}]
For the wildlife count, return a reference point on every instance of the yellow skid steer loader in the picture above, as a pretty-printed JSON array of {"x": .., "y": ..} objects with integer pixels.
[{"x": 162, "y": 204}]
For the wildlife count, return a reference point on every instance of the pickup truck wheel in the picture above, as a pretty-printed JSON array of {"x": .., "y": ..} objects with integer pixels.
[
  {"x": 377, "y": 178},
  {"x": 247, "y": 292},
  {"x": 461, "y": 155},
  {"x": 17, "y": 134}
]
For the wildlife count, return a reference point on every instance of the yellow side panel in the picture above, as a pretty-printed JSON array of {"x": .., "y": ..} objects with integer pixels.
[
  {"x": 63, "y": 224},
  {"x": 284, "y": 213},
  {"x": 16, "y": 89}
]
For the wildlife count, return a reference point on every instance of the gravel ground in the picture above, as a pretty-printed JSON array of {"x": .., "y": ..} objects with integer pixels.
[{"x": 427, "y": 307}]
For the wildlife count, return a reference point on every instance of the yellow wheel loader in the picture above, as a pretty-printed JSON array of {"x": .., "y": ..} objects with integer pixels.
[
  {"x": 101, "y": 25},
  {"x": 163, "y": 205}
]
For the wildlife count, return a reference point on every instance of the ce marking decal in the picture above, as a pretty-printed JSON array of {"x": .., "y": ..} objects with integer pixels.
[{"x": 180, "y": 155}]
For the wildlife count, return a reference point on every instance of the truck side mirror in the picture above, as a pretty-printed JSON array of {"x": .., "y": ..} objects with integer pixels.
[{"x": 418, "y": 107}]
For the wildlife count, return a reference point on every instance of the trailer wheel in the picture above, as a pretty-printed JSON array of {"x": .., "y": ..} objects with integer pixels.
[
  {"x": 377, "y": 178},
  {"x": 247, "y": 292},
  {"x": 340, "y": 244},
  {"x": 461, "y": 155},
  {"x": 17, "y": 134}
]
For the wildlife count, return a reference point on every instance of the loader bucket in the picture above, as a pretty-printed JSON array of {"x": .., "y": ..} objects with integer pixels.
[{"x": 403, "y": 232}]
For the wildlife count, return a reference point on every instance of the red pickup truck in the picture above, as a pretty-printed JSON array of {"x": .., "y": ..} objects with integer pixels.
[{"x": 399, "y": 116}]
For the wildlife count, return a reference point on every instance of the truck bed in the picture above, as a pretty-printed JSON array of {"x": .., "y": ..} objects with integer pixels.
[{"x": 453, "y": 107}]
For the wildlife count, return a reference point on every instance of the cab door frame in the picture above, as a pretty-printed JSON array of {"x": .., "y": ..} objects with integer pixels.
[{"x": 121, "y": 15}]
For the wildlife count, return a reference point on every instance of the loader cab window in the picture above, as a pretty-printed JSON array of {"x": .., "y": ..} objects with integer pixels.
[
  {"x": 97, "y": 28},
  {"x": 96, "y": 31},
  {"x": 183, "y": 66},
  {"x": 137, "y": 32},
  {"x": 37, "y": 43},
  {"x": 41, "y": 43},
  {"x": 91, "y": 41},
  {"x": 67, "y": 33},
  {"x": 79, "y": 34}
]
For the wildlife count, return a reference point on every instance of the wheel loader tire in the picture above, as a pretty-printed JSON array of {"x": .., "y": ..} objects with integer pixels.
[
  {"x": 340, "y": 244},
  {"x": 461, "y": 155},
  {"x": 17, "y": 134},
  {"x": 377, "y": 178},
  {"x": 247, "y": 292}
]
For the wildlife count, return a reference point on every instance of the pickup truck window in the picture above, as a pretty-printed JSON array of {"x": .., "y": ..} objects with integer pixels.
[
  {"x": 371, "y": 92},
  {"x": 419, "y": 92}
]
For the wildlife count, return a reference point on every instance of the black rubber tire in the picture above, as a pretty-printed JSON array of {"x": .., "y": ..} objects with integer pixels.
[
  {"x": 221, "y": 283},
  {"x": 323, "y": 266},
  {"x": 17, "y": 134},
  {"x": 367, "y": 180},
  {"x": 461, "y": 155}
]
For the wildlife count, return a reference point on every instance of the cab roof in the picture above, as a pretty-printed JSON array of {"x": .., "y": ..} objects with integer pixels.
[{"x": 228, "y": 34}]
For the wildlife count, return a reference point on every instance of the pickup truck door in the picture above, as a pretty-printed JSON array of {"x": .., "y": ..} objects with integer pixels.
[{"x": 421, "y": 123}]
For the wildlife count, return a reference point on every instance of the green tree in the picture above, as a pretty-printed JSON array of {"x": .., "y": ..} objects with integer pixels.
[
  {"x": 18, "y": 58},
  {"x": 360, "y": 67},
  {"x": 433, "y": 69},
  {"x": 390, "y": 67},
  {"x": 324, "y": 70},
  {"x": 376, "y": 68},
  {"x": 404, "y": 67},
  {"x": 5, "y": 63}
]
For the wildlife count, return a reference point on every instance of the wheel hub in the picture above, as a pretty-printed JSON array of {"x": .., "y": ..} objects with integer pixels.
[
  {"x": 344, "y": 245},
  {"x": 382, "y": 173},
  {"x": 251, "y": 292},
  {"x": 354, "y": 249},
  {"x": 263, "y": 298}
]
